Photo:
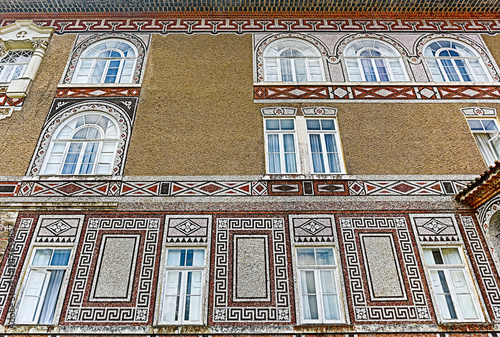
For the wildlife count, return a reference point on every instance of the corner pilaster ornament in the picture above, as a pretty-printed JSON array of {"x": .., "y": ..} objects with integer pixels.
[{"x": 40, "y": 43}]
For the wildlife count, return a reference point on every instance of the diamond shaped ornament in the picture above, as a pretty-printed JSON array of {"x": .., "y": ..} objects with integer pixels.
[
  {"x": 434, "y": 226},
  {"x": 187, "y": 227},
  {"x": 58, "y": 227},
  {"x": 312, "y": 227}
]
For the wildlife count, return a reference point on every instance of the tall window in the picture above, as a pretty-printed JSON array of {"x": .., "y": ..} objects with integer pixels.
[
  {"x": 182, "y": 297},
  {"x": 373, "y": 61},
  {"x": 85, "y": 144},
  {"x": 281, "y": 146},
  {"x": 451, "y": 61},
  {"x": 42, "y": 286},
  {"x": 319, "y": 286},
  {"x": 292, "y": 60},
  {"x": 14, "y": 64},
  {"x": 107, "y": 61},
  {"x": 452, "y": 284},
  {"x": 487, "y": 136},
  {"x": 323, "y": 148}
]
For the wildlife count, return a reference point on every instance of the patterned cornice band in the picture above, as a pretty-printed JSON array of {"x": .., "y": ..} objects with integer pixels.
[
  {"x": 55, "y": 120},
  {"x": 104, "y": 188},
  {"x": 278, "y": 111},
  {"x": 319, "y": 111},
  {"x": 488, "y": 62},
  {"x": 408, "y": 92},
  {"x": 247, "y": 25},
  {"x": 78, "y": 50}
]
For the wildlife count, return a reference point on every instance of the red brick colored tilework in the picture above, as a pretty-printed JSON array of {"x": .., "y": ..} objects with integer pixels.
[
  {"x": 243, "y": 188},
  {"x": 401, "y": 92},
  {"x": 7, "y": 101},
  {"x": 414, "y": 304},
  {"x": 11, "y": 267},
  {"x": 138, "y": 307},
  {"x": 97, "y": 92},
  {"x": 249, "y": 25},
  {"x": 482, "y": 262},
  {"x": 277, "y": 308}
]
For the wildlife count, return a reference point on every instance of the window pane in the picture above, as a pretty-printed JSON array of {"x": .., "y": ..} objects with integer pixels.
[
  {"x": 489, "y": 125},
  {"x": 305, "y": 257},
  {"x": 42, "y": 257},
  {"x": 324, "y": 256},
  {"x": 327, "y": 124},
  {"x": 272, "y": 124},
  {"x": 174, "y": 257},
  {"x": 475, "y": 125},
  {"x": 60, "y": 257},
  {"x": 287, "y": 124},
  {"x": 313, "y": 124},
  {"x": 451, "y": 256}
]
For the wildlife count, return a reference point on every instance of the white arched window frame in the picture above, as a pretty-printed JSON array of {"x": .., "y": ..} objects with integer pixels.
[
  {"x": 107, "y": 61},
  {"x": 14, "y": 64},
  {"x": 370, "y": 60},
  {"x": 453, "y": 61},
  {"x": 83, "y": 145},
  {"x": 293, "y": 60}
]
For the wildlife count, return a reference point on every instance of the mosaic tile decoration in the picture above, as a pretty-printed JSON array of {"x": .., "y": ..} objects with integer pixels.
[
  {"x": 187, "y": 229},
  {"x": 57, "y": 229},
  {"x": 123, "y": 112},
  {"x": 250, "y": 25},
  {"x": 225, "y": 309},
  {"x": 7, "y": 101},
  {"x": 486, "y": 211},
  {"x": 479, "y": 112},
  {"x": 438, "y": 228},
  {"x": 11, "y": 268},
  {"x": 97, "y": 92},
  {"x": 79, "y": 308},
  {"x": 416, "y": 307},
  {"x": 78, "y": 6},
  {"x": 103, "y": 188},
  {"x": 405, "y": 92},
  {"x": 318, "y": 229},
  {"x": 485, "y": 275}
]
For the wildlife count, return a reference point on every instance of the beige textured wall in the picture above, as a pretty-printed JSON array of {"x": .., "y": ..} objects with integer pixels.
[
  {"x": 20, "y": 132},
  {"x": 493, "y": 44},
  {"x": 196, "y": 114}
]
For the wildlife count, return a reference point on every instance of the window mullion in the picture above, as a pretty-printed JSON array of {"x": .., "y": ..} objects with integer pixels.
[
  {"x": 442, "y": 69},
  {"x": 293, "y": 69},
  {"x": 182, "y": 296},
  {"x": 80, "y": 158},
  {"x": 319, "y": 296}
]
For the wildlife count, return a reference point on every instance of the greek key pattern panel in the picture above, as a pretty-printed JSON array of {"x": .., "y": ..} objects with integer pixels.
[
  {"x": 96, "y": 188},
  {"x": 416, "y": 308},
  {"x": 439, "y": 228},
  {"x": 484, "y": 272},
  {"x": 187, "y": 229},
  {"x": 224, "y": 309},
  {"x": 18, "y": 240},
  {"x": 312, "y": 229},
  {"x": 248, "y": 25},
  {"x": 379, "y": 92},
  {"x": 140, "y": 308}
]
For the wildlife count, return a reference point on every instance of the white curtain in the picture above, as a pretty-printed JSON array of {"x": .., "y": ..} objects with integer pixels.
[{"x": 49, "y": 305}]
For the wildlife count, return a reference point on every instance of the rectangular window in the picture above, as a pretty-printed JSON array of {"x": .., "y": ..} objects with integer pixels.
[
  {"x": 42, "y": 286},
  {"x": 317, "y": 273},
  {"x": 281, "y": 147},
  {"x": 451, "y": 283},
  {"x": 487, "y": 135},
  {"x": 323, "y": 146},
  {"x": 182, "y": 297}
]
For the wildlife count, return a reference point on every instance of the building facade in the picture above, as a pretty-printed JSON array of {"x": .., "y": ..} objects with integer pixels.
[{"x": 220, "y": 169}]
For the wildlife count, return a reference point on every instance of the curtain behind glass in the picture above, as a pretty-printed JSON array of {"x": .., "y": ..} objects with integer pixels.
[{"x": 49, "y": 305}]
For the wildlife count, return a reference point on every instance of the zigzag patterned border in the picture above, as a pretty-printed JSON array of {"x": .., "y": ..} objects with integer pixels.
[
  {"x": 104, "y": 188},
  {"x": 247, "y": 25}
]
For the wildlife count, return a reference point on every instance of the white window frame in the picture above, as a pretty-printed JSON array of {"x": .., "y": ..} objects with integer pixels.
[
  {"x": 323, "y": 146},
  {"x": 307, "y": 60},
  {"x": 464, "y": 59},
  {"x": 184, "y": 270},
  {"x": 45, "y": 270},
  {"x": 385, "y": 59},
  {"x": 122, "y": 59},
  {"x": 319, "y": 292},
  {"x": 280, "y": 134},
  {"x": 8, "y": 66},
  {"x": 467, "y": 275},
  {"x": 54, "y": 140},
  {"x": 494, "y": 153}
]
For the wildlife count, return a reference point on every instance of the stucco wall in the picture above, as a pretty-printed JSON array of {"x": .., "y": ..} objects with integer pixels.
[{"x": 20, "y": 132}]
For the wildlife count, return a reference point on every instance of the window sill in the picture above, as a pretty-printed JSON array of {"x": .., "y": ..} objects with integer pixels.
[{"x": 97, "y": 85}]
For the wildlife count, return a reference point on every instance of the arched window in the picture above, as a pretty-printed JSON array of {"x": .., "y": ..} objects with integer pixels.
[
  {"x": 451, "y": 61},
  {"x": 14, "y": 64},
  {"x": 292, "y": 60},
  {"x": 370, "y": 60},
  {"x": 107, "y": 61},
  {"x": 85, "y": 144}
]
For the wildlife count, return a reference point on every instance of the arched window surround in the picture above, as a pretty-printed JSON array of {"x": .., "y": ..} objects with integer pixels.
[
  {"x": 370, "y": 59},
  {"x": 138, "y": 41},
  {"x": 109, "y": 110},
  {"x": 321, "y": 54},
  {"x": 481, "y": 53}
]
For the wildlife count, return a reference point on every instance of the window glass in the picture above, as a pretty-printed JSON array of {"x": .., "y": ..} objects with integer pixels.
[
  {"x": 14, "y": 64},
  {"x": 487, "y": 135}
]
